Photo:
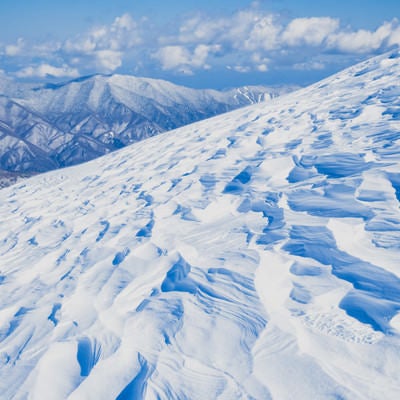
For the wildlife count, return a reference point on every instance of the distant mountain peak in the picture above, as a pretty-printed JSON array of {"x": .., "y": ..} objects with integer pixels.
[{"x": 100, "y": 113}]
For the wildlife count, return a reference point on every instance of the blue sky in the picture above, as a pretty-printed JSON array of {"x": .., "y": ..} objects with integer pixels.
[{"x": 193, "y": 42}]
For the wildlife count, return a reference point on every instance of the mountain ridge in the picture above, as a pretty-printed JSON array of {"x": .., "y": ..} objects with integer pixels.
[{"x": 91, "y": 116}]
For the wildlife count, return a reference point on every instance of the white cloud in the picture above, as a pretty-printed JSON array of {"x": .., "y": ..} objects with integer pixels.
[
  {"x": 247, "y": 29},
  {"x": 84, "y": 45},
  {"x": 122, "y": 34},
  {"x": 237, "y": 29},
  {"x": 394, "y": 38},
  {"x": 108, "y": 60},
  {"x": 246, "y": 33},
  {"x": 172, "y": 57},
  {"x": 239, "y": 68},
  {"x": 309, "y": 31},
  {"x": 263, "y": 35},
  {"x": 253, "y": 37},
  {"x": 44, "y": 70},
  {"x": 178, "y": 56},
  {"x": 13, "y": 50},
  {"x": 105, "y": 45},
  {"x": 309, "y": 66},
  {"x": 45, "y": 49},
  {"x": 262, "y": 67},
  {"x": 248, "y": 40},
  {"x": 199, "y": 29},
  {"x": 261, "y": 63},
  {"x": 125, "y": 22},
  {"x": 364, "y": 41},
  {"x": 253, "y": 40},
  {"x": 201, "y": 53}
]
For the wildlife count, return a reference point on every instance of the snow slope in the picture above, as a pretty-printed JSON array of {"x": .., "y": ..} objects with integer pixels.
[
  {"x": 10, "y": 178},
  {"x": 56, "y": 125},
  {"x": 253, "y": 255}
]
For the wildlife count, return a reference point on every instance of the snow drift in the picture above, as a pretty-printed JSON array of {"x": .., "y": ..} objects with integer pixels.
[{"x": 253, "y": 255}]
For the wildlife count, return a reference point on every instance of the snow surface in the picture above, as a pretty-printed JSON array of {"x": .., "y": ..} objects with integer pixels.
[{"x": 253, "y": 255}]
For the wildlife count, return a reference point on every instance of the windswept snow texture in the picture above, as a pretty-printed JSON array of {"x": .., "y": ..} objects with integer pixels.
[
  {"x": 52, "y": 126},
  {"x": 254, "y": 255}
]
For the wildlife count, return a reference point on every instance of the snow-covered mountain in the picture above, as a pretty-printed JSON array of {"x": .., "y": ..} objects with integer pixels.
[
  {"x": 254, "y": 255},
  {"x": 52, "y": 126}
]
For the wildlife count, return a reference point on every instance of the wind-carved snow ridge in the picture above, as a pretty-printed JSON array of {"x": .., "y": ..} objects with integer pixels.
[{"x": 250, "y": 256}]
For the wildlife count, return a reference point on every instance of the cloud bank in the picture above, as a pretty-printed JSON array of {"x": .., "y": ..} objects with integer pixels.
[
  {"x": 249, "y": 40},
  {"x": 47, "y": 70}
]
